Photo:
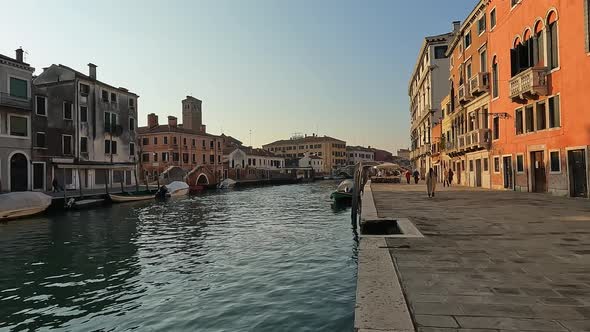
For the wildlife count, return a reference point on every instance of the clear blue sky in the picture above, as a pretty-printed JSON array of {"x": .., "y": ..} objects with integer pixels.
[{"x": 274, "y": 67}]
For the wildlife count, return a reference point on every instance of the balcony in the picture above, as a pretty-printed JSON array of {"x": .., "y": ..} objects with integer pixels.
[
  {"x": 464, "y": 93},
  {"x": 476, "y": 140},
  {"x": 16, "y": 102},
  {"x": 529, "y": 84},
  {"x": 480, "y": 83}
]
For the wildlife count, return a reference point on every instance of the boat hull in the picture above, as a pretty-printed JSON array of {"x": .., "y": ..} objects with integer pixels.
[
  {"x": 130, "y": 198},
  {"x": 341, "y": 197},
  {"x": 21, "y": 213}
]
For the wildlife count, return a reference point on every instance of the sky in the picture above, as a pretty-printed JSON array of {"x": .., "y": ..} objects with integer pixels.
[{"x": 271, "y": 68}]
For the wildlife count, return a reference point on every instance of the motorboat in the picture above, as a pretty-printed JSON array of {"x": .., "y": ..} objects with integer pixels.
[
  {"x": 176, "y": 188},
  {"x": 23, "y": 204},
  {"x": 86, "y": 203},
  {"x": 343, "y": 193},
  {"x": 142, "y": 195},
  {"x": 226, "y": 184}
]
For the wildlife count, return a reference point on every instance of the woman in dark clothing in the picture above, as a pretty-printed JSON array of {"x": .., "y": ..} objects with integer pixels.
[{"x": 416, "y": 176}]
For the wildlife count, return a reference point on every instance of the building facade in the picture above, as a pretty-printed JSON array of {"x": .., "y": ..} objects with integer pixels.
[
  {"x": 540, "y": 68},
  {"x": 404, "y": 153},
  {"x": 84, "y": 131},
  {"x": 331, "y": 150},
  {"x": 15, "y": 124},
  {"x": 315, "y": 162},
  {"x": 186, "y": 146},
  {"x": 428, "y": 85},
  {"x": 356, "y": 154},
  {"x": 469, "y": 135}
]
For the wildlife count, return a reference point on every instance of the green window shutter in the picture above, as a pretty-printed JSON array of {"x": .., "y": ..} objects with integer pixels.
[{"x": 18, "y": 88}]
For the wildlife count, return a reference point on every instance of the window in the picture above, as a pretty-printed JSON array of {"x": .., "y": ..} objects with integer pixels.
[
  {"x": 83, "y": 144},
  {"x": 518, "y": 122},
  {"x": 19, "y": 88},
  {"x": 165, "y": 156},
  {"x": 184, "y": 141},
  {"x": 219, "y": 159},
  {"x": 185, "y": 158},
  {"x": 175, "y": 156},
  {"x": 468, "y": 71},
  {"x": 440, "y": 52},
  {"x": 554, "y": 117},
  {"x": 204, "y": 145},
  {"x": 496, "y": 164},
  {"x": 552, "y": 46},
  {"x": 114, "y": 147},
  {"x": 194, "y": 142},
  {"x": 145, "y": 141},
  {"x": 132, "y": 149},
  {"x": 194, "y": 158},
  {"x": 204, "y": 160},
  {"x": 174, "y": 141},
  {"x": 113, "y": 97},
  {"x": 84, "y": 89},
  {"x": 68, "y": 111},
  {"x": 19, "y": 126},
  {"x": 66, "y": 144},
  {"x": 467, "y": 40},
  {"x": 520, "y": 163},
  {"x": 555, "y": 162},
  {"x": 211, "y": 145},
  {"x": 165, "y": 139},
  {"x": 493, "y": 18},
  {"x": 481, "y": 25},
  {"x": 145, "y": 157},
  {"x": 105, "y": 96},
  {"x": 110, "y": 121},
  {"x": 486, "y": 167},
  {"x": 530, "y": 121},
  {"x": 38, "y": 176},
  {"x": 539, "y": 49},
  {"x": 131, "y": 103},
  {"x": 107, "y": 146},
  {"x": 514, "y": 2},
  {"x": 156, "y": 140},
  {"x": 541, "y": 116},
  {"x": 212, "y": 159},
  {"x": 83, "y": 114},
  {"x": 495, "y": 89},
  {"x": 471, "y": 165},
  {"x": 41, "y": 105},
  {"x": 155, "y": 156},
  {"x": 496, "y": 128},
  {"x": 483, "y": 61},
  {"x": 131, "y": 124},
  {"x": 40, "y": 140}
]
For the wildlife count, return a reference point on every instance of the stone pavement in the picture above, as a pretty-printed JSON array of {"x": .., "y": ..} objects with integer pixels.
[{"x": 491, "y": 260}]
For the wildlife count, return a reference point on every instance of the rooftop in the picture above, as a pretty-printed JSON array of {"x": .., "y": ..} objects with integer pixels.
[
  {"x": 164, "y": 128},
  {"x": 307, "y": 139}
]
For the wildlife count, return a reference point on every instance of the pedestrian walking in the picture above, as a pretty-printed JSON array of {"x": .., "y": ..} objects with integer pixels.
[
  {"x": 451, "y": 174},
  {"x": 445, "y": 177},
  {"x": 416, "y": 175},
  {"x": 408, "y": 176},
  {"x": 431, "y": 182},
  {"x": 56, "y": 186}
]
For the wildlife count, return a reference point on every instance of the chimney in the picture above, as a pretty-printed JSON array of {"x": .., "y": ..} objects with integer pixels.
[
  {"x": 92, "y": 70},
  {"x": 19, "y": 54},
  {"x": 152, "y": 120},
  {"x": 456, "y": 26},
  {"x": 172, "y": 121}
]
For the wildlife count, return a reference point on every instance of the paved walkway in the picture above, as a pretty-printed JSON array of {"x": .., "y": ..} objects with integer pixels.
[{"x": 491, "y": 260}]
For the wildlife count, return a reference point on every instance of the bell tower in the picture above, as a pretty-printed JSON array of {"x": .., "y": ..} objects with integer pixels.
[{"x": 192, "y": 115}]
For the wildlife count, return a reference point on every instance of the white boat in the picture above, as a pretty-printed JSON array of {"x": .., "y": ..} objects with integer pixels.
[
  {"x": 22, "y": 204},
  {"x": 226, "y": 184},
  {"x": 133, "y": 197},
  {"x": 177, "y": 188}
]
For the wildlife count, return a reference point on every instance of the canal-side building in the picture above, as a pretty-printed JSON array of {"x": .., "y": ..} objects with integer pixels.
[
  {"x": 404, "y": 153},
  {"x": 446, "y": 140},
  {"x": 428, "y": 84},
  {"x": 540, "y": 70},
  {"x": 470, "y": 135},
  {"x": 331, "y": 150},
  {"x": 247, "y": 157},
  {"x": 180, "y": 148},
  {"x": 15, "y": 124},
  {"x": 84, "y": 130},
  {"x": 383, "y": 156},
  {"x": 315, "y": 162},
  {"x": 356, "y": 154}
]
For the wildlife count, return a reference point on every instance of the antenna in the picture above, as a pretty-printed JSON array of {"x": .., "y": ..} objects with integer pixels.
[{"x": 250, "y": 137}]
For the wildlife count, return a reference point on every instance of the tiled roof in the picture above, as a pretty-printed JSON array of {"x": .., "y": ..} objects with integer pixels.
[
  {"x": 86, "y": 77},
  {"x": 359, "y": 148},
  {"x": 308, "y": 139},
  {"x": 168, "y": 129}
]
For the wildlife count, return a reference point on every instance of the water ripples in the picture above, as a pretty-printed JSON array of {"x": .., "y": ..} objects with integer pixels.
[{"x": 262, "y": 259}]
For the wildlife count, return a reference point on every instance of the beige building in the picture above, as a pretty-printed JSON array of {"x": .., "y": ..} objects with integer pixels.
[{"x": 331, "y": 150}]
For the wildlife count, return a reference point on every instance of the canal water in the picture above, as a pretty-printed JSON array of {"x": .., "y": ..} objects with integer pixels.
[{"x": 273, "y": 258}]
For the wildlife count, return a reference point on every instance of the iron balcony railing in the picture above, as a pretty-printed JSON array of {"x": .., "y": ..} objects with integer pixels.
[{"x": 17, "y": 102}]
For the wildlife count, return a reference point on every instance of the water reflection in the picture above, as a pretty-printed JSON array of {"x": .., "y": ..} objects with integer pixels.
[{"x": 264, "y": 259}]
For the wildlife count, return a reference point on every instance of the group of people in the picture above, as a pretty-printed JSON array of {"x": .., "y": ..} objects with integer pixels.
[{"x": 431, "y": 179}]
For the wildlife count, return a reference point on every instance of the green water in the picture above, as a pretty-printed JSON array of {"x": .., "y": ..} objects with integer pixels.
[{"x": 262, "y": 259}]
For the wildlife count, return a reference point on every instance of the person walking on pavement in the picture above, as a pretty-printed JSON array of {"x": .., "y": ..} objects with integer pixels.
[
  {"x": 416, "y": 175},
  {"x": 445, "y": 177},
  {"x": 408, "y": 176},
  {"x": 431, "y": 182},
  {"x": 450, "y": 177}
]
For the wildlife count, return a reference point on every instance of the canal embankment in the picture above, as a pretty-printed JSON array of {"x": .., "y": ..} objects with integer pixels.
[{"x": 487, "y": 261}]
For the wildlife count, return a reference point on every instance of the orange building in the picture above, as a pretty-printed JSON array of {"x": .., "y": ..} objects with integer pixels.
[
  {"x": 540, "y": 73},
  {"x": 186, "y": 146}
]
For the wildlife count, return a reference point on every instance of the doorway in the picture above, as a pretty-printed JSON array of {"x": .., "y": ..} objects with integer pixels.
[
  {"x": 19, "y": 173},
  {"x": 478, "y": 173},
  {"x": 507, "y": 163},
  {"x": 539, "y": 174},
  {"x": 577, "y": 173}
]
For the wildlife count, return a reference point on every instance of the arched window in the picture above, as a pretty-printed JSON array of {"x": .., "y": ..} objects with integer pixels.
[
  {"x": 552, "y": 41},
  {"x": 495, "y": 78},
  {"x": 539, "y": 44}
]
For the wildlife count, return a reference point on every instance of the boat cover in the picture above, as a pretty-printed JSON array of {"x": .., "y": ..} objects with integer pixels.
[
  {"x": 176, "y": 186},
  {"x": 227, "y": 183},
  {"x": 23, "y": 200},
  {"x": 345, "y": 186}
]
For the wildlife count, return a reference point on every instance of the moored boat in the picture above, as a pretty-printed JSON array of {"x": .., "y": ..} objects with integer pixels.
[
  {"x": 22, "y": 204},
  {"x": 132, "y": 196},
  {"x": 226, "y": 184},
  {"x": 343, "y": 193},
  {"x": 176, "y": 188}
]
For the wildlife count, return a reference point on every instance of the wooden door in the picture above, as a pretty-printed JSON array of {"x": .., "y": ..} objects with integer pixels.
[
  {"x": 577, "y": 173},
  {"x": 539, "y": 173}
]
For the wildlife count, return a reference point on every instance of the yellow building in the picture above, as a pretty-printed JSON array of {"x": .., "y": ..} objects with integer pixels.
[
  {"x": 331, "y": 150},
  {"x": 446, "y": 130}
]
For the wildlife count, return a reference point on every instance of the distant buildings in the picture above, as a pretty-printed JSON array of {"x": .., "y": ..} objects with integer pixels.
[
  {"x": 404, "y": 153},
  {"x": 16, "y": 168},
  {"x": 382, "y": 155},
  {"x": 331, "y": 150},
  {"x": 356, "y": 154},
  {"x": 315, "y": 162},
  {"x": 186, "y": 146}
]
